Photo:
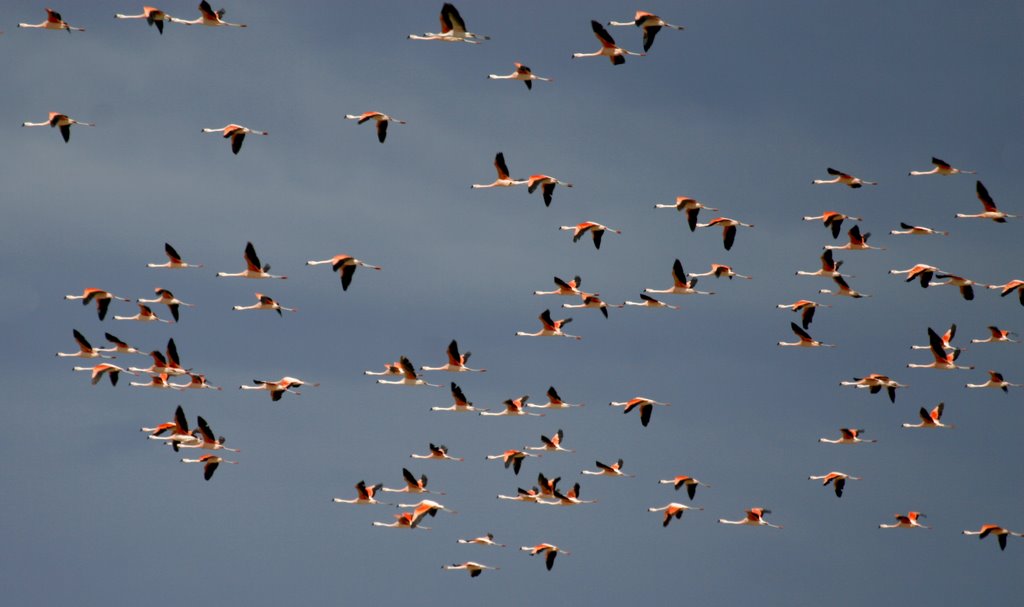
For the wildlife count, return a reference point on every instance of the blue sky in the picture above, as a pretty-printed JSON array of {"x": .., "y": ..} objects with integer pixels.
[{"x": 742, "y": 110}]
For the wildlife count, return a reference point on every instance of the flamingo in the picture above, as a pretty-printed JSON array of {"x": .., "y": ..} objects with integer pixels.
[
  {"x": 168, "y": 299},
  {"x": 921, "y": 271},
  {"x": 650, "y": 23},
  {"x": 688, "y": 205},
  {"x": 390, "y": 370},
  {"x": 755, "y": 517},
  {"x": 909, "y": 520},
  {"x": 453, "y": 28},
  {"x": 550, "y": 551},
  {"x": 85, "y": 349},
  {"x": 265, "y": 302},
  {"x": 61, "y": 121},
  {"x": 829, "y": 267},
  {"x": 364, "y": 495},
  {"x": 153, "y": 16},
  {"x": 596, "y": 230},
  {"x": 996, "y": 380},
  {"x": 690, "y": 483},
  {"x": 564, "y": 287},
  {"x": 833, "y": 220},
  {"x": 930, "y": 419},
  {"x": 806, "y": 341},
  {"x": 524, "y": 74},
  {"x": 997, "y": 336},
  {"x": 554, "y": 401},
  {"x": 569, "y": 498},
  {"x": 382, "y": 121},
  {"x": 456, "y": 362},
  {"x": 965, "y": 285},
  {"x": 405, "y": 520},
  {"x": 728, "y": 228},
  {"x": 345, "y": 266},
  {"x": 943, "y": 361},
  {"x": 174, "y": 261},
  {"x": 844, "y": 289},
  {"x": 53, "y": 22},
  {"x": 120, "y": 346},
  {"x": 437, "y": 452},
  {"x": 161, "y": 364},
  {"x": 427, "y": 507},
  {"x": 682, "y": 285},
  {"x": 409, "y": 377},
  {"x": 548, "y": 486},
  {"x": 806, "y": 307},
  {"x": 719, "y": 270},
  {"x": 941, "y": 168},
  {"x": 1010, "y": 287},
  {"x": 177, "y": 429},
  {"x": 210, "y": 463},
  {"x": 615, "y": 53},
  {"x": 946, "y": 338},
  {"x": 236, "y": 133},
  {"x": 606, "y": 470},
  {"x": 206, "y": 439},
  {"x": 513, "y": 407},
  {"x": 522, "y": 495},
  {"x": 197, "y": 381},
  {"x": 472, "y": 567},
  {"x": 673, "y": 510},
  {"x": 591, "y": 300},
  {"x": 837, "y": 479},
  {"x": 996, "y": 530},
  {"x": 848, "y": 436},
  {"x": 844, "y": 179},
  {"x": 551, "y": 444},
  {"x": 513, "y": 458},
  {"x": 101, "y": 297},
  {"x": 483, "y": 540},
  {"x": 646, "y": 301},
  {"x": 549, "y": 327},
  {"x": 857, "y": 242},
  {"x": 460, "y": 404},
  {"x": 253, "y": 268},
  {"x": 412, "y": 484},
  {"x": 991, "y": 212},
  {"x": 112, "y": 371},
  {"x": 208, "y": 17},
  {"x": 156, "y": 381},
  {"x": 646, "y": 406},
  {"x": 909, "y": 230},
  {"x": 503, "y": 180},
  {"x": 547, "y": 184},
  {"x": 145, "y": 315},
  {"x": 874, "y": 383},
  {"x": 279, "y": 387}
]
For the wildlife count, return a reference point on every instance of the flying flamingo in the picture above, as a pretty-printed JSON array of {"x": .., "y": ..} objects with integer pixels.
[
  {"x": 85, "y": 349},
  {"x": 472, "y": 567},
  {"x": 266, "y": 302},
  {"x": 682, "y": 285},
  {"x": 965, "y": 285},
  {"x": 829, "y": 267},
  {"x": 197, "y": 381},
  {"x": 941, "y": 168},
  {"x": 806, "y": 308},
  {"x": 120, "y": 346},
  {"x": 921, "y": 271},
  {"x": 554, "y": 401},
  {"x": 460, "y": 402},
  {"x": 456, "y": 362},
  {"x": 382, "y": 121},
  {"x": 279, "y": 387},
  {"x": 548, "y": 486},
  {"x": 522, "y": 495},
  {"x": 522, "y": 73},
  {"x": 483, "y": 540},
  {"x": 161, "y": 364},
  {"x": 1010, "y": 287},
  {"x": 549, "y": 327},
  {"x": 997, "y": 335},
  {"x": 944, "y": 361},
  {"x": 719, "y": 270},
  {"x": 844, "y": 179},
  {"x": 61, "y": 121},
  {"x": 176, "y": 430},
  {"x": 208, "y": 17},
  {"x": 874, "y": 383},
  {"x": 253, "y": 268},
  {"x": 345, "y": 266},
  {"x": 844, "y": 289},
  {"x": 688, "y": 205},
  {"x": 236, "y": 133},
  {"x": 649, "y": 302},
  {"x": 564, "y": 287},
  {"x": 996, "y": 381},
  {"x": 991, "y": 212},
  {"x": 806, "y": 341},
  {"x": 112, "y": 371},
  {"x": 550, "y": 551},
  {"x": 513, "y": 407},
  {"x": 145, "y": 315},
  {"x": 646, "y": 406},
  {"x": 513, "y": 458},
  {"x": 405, "y": 520},
  {"x": 153, "y": 16},
  {"x": 437, "y": 452},
  {"x": 690, "y": 483},
  {"x": 996, "y": 530},
  {"x": 651, "y": 25},
  {"x": 591, "y": 300},
  {"x": 848, "y": 436},
  {"x": 906, "y": 521},
  {"x": 837, "y": 479},
  {"x": 364, "y": 495},
  {"x": 210, "y": 463},
  {"x": 615, "y": 53},
  {"x": 53, "y": 22},
  {"x": 551, "y": 444},
  {"x": 946, "y": 338},
  {"x": 673, "y": 510},
  {"x": 503, "y": 180},
  {"x": 390, "y": 370},
  {"x": 755, "y": 517},
  {"x": 930, "y": 419},
  {"x": 206, "y": 439},
  {"x": 156, "y": 381},
  {"x": 728, "y": 228},
  {"x": 409, "y": 377},
  {"x": 833, "y": 220},
  {"x": 857, "y": 242},
  {"x": 909, "y": 230},
  {"x": 453, "y": 28},
  {"x": 168, "y": 299},
  {"x": 101, "y": 297},
  {"x": 427, "y": 507},
  {"x": 174, "y": 261},
  {"x": 412, "y": 484},
  {"x": 569, "y": 498},
  {"x": 547, "y": 184},
  {"x": 606, "y": 470},
  {"x": 596, "y": 231}
]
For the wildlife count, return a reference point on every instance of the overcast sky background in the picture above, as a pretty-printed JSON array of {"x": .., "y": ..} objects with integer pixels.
[{"x": 742, "y": 110}]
